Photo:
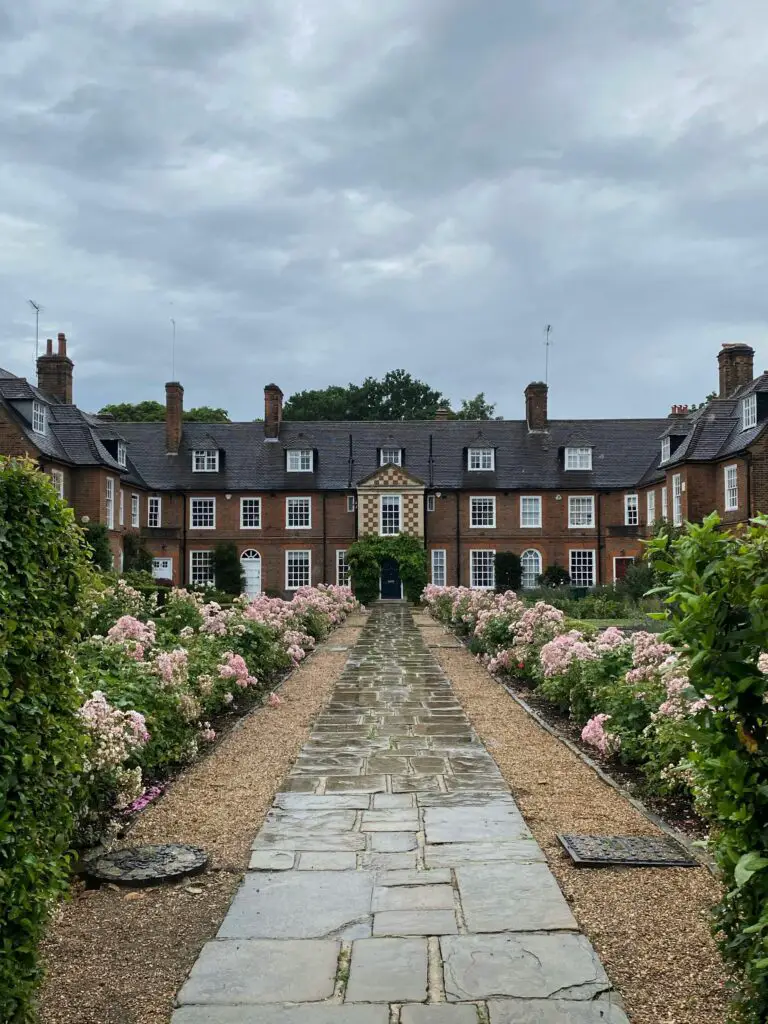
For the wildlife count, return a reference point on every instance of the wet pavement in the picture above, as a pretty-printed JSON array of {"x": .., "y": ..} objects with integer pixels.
[{"x": 394, "y": 880}]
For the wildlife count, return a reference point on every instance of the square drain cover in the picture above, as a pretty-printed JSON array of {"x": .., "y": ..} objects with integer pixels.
[{"x": 629, "y": 851}]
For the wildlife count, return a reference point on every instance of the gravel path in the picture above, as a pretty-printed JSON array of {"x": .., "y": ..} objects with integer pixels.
[
  {"x": 649, "y": 926},
  {"x": 117, "y": 957}
]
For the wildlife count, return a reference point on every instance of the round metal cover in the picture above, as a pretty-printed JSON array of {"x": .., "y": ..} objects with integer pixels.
[{"x": 148, "y": 865}]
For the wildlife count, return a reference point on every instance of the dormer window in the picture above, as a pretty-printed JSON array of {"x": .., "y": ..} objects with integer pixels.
[
  {"x": 39, "y": 417},
  {"x": 666, "y": 447},
  {"x": 481, "y": 459},
  {"x": 749, "y": 412},
  {"x": 393, "y": 455},
  {"x": 300, "y": 460},
  {"x": 122, "y": 453},
  {"x": 205, "y": 460},
  {"x": 578, "y": 458}
]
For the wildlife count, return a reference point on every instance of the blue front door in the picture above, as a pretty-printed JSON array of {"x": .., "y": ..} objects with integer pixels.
[{"x": 390, "y": 580}]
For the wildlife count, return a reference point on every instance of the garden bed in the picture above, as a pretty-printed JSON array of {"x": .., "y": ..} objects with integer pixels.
[{"x": 117, "y": 957}]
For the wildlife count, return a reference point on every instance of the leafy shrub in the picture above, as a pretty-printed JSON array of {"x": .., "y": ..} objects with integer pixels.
[
  {"x": 136, "y": 557},
  {"x": 99, "y": 552},
  {"x": 555, "y": 576},
  {"x": 228, "y": 569},
  {"x": 717, "y": 593},
  {"x": 509, "y": 571},
  {"x": 366, "y": 555},
  {"x": 43, "y": 569},
  {"x": 638, "y": 580}
]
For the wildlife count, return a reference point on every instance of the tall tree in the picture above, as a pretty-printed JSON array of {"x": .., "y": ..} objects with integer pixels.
[
  {"x": 476, "y": 408},
  {"x": 397, "y": 396},
  {"x": 154, "y": 412}
]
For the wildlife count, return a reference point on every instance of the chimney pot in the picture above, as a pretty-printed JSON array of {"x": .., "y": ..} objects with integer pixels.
[
  {"x": 736, "y": 363},
  {"x": 174, "y": 411},
  {"x": 49, "y": 347},
  {"x": 62, "y": 343},
  {"x": 536, "y": 405},
  {"x": 273, "y": 410}
]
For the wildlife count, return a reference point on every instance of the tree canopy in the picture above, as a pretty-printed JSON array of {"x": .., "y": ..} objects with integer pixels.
[
  {"x": 152, "y": 412},
  {"x": 397, "y": 396}
]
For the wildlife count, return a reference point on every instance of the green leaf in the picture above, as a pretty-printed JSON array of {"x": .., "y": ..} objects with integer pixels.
[{"x": 748, "y": 866}]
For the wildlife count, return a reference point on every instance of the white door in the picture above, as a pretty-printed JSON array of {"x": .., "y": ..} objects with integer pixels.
[
  {"x": 251, "y": 563},
  {"x": 162, "y": 568}
]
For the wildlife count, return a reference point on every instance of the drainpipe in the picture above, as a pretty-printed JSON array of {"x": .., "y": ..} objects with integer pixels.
[
  {"x": 458, "y": 538},
  {"x": 600, "y": 542},
  {"x": 184, "y": 570},
  {"x": 325, "y": 553},
  {"x": 748, "y": 467}
]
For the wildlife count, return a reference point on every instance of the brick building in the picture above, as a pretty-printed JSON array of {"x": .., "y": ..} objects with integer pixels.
[{"x": 294, "y": 495}]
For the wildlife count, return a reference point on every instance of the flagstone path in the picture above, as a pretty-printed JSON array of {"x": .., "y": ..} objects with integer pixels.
[{"x": 394, "y": 880}]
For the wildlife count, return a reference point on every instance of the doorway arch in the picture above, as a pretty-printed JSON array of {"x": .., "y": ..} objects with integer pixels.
[
  {"x": 530, "y": 563},
  {"x": 250, "y": 560}
]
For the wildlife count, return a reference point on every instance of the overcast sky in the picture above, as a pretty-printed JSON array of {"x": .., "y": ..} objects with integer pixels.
[{"x": 320, "y": 190}]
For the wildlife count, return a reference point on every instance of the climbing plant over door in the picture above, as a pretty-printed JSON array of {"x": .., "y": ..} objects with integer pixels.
[{"x": 366, "y": 555}]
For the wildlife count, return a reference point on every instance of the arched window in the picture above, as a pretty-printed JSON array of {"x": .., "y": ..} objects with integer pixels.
[
  {"x": 530, "y": 561},
  {"x": 251, "y": 563}
]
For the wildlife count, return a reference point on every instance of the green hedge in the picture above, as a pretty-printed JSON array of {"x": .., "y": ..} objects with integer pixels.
[
  {"x": 43, "y": 567},
  {"x": 366, "y": 555}
]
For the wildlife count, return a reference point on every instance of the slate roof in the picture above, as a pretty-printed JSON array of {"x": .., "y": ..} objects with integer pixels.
[{"x": 433, "y": 450}]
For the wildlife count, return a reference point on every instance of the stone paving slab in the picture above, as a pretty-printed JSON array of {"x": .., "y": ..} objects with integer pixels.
[
  {"x": 555, "y": 1011},
  {"x": 523, "y": 966},
  {"x": 388, "y": 971},
  {"x": 262, "y": 971},
  {"x": 395, "y": 872}
]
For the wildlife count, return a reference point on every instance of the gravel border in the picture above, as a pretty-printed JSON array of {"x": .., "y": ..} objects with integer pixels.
[
  {"x": 113, "y": 957},
  {"x": 650, "y": 926}
]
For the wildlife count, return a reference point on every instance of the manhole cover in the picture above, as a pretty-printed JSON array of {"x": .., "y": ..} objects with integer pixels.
[
  {"x": 630, "y": 851},
  {"x": 148, "y": 865}
]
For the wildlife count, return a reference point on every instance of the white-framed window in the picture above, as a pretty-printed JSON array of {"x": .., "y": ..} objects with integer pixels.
[
  {"x": 122, "y": 453},
  {"x": 300, "y": 460},
  {"x": 57, "y": 479},
  {"x": 39, "y": 417},
  {"x": 438, "y": 567},
  {"x": 650, "y": 507},
  {"x": 530, "y": 510},
  {"x": 122, "y": 507},
  {"x": 298, "y": 513},
  {"x": 666, "y": 447},
  {"x": 250, "y": 513},
  {"x": 430, "y": 503},
  {"x": 201, "y": 567},
  {"x": 482, "y": 512},
  {"x": 749, "y": 412},
  {"x": 578, "y": 458},
  {"x": 530, "y": 562},
  {"x": 390, "y": 514},
  {"x": 154, "y": 511},
  {"x": 664, "y": 504},
  {"x": 677, "y": 499},
  {"x": 481, "y": 458},
  {"x": 202, "y": 513},
  {"x": 393, "y": 455},
  {"x": 581, "y": 511},
  {"x": 482, "y": 569},
  {"x": 134, "y": 510},
  {"x": 581, "y": 567},
  {"x": 342, "y": 569},
  {"x": 351, "y": 503},
  {"x": 731, "y": 488},
  {"x": 205, "y": 460},
  {"x": 298, "y": 569},
  {"x": 110, "y": 503},
  {"x": 631, "y": 510}
]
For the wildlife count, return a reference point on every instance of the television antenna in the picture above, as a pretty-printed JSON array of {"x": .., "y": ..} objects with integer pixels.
[
  {"x": 37, "y": 308},
  {"x": 547, "y": 343},
  {"x": 173, "y": 350}
]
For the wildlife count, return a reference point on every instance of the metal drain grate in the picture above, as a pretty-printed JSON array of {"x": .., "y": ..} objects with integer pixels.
[{"x": 627, "y": 851}]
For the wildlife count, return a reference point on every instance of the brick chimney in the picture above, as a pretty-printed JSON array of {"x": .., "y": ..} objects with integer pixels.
[
  {"x": 736, "y": 361},
  {"x": 54, "y": 371},
  {"x": 174, "y": 410},
  {"x": 443, "y": 413},
  {"x": 273, "y": 410},
  {"x": 536, "y": 405},
  {"x": 678, "y": 412}
]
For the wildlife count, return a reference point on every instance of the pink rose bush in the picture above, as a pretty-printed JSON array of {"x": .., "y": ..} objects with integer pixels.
[
  {"x": 158, "y": 674},
  {"x": 595, "y": 735}
]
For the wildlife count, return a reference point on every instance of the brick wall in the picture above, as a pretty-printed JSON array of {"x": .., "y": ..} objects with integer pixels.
[{"x": 12, "y": 440}]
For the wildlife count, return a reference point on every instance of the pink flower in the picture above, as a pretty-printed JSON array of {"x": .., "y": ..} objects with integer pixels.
[
  {"x": 274, "y": 701},
  {"x": 595, "y": 735}
]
